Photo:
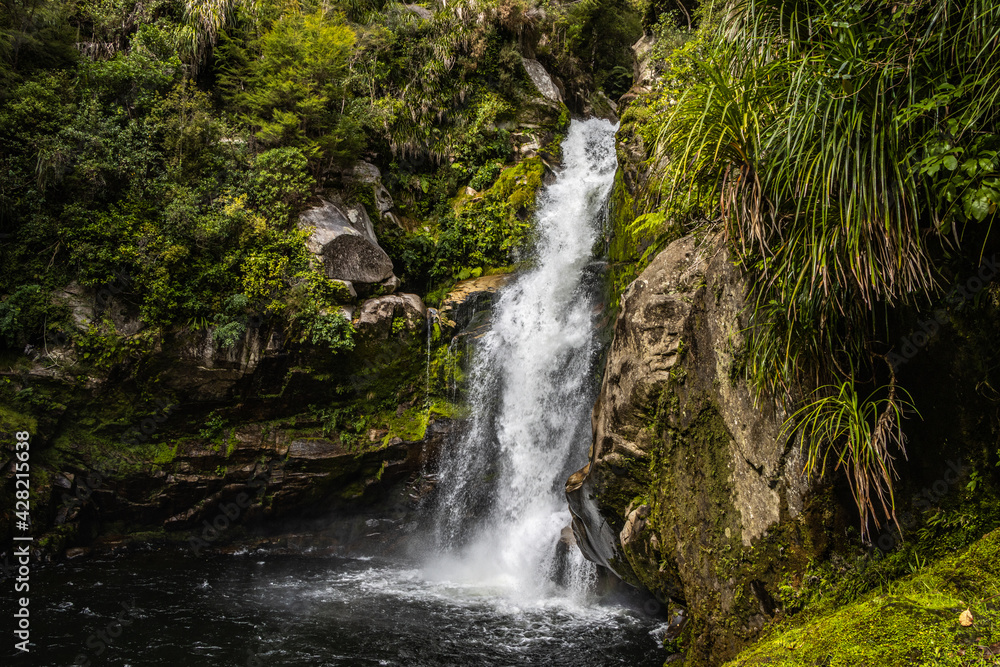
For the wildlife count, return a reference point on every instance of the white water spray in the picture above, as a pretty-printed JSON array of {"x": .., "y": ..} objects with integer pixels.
[{"x": 502, "y": 503}]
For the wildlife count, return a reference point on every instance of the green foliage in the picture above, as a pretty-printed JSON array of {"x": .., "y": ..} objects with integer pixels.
[
  {"x": 486, "y": 175},
  {"x": 600, "y": 33},
  {"x": 492, "y": 229},
  {"x": 280, "y": 182},
  {"x": 862, "y": 434},
  {"x": 832, "y": 154},
  {"x": 175, "y": 142},
  {"x": 333, "y": 330},
  {"x": 21, "y": 313},
  {"x": 185, "y": 120},
  {"x": 214, "y": 427},
  {"x": 849, "y": 151},
  {"x": 205, "y": 21},
  {"x": 33, "y": 34},
  {"x": 293, "y": 90}
]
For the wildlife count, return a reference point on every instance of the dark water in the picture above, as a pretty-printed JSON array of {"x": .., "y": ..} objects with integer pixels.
[{"x": 254, "y": 610}]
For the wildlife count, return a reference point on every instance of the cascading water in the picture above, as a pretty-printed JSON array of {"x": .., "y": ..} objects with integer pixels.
[
  {"x": 485, "y": 599},
  {"x": 502, "y": 504}
]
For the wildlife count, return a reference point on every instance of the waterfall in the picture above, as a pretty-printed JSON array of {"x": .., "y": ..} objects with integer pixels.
[{"x": 501, "y": 503}]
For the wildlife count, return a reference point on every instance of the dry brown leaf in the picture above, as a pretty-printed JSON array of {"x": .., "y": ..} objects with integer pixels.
[{"x": 965, "y": 618}]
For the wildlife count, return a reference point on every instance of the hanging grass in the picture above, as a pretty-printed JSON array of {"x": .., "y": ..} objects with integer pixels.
[
  {"x": 863, "y": 435},
  {"x": 846, "y": 148}
]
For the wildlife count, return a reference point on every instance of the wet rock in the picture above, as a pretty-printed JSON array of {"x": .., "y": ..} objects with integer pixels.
[
  {"x": 471, "y": 297},
  {"x": 564, "y": 547},
  {"x": 601, "y": 106},
  {"x": 208, "y": 371}
]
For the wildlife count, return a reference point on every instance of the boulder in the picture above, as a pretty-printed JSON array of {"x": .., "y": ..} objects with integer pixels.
[
  {"x": 376, "y": 316},
  {"x": 601, "y": 106},
  {"x": 643, "y": 73},
  {"x": 344, "y": 240},
  {"x": 79, "y": 301},
  {"x": 368, "y": 174},
  {"x": 422, "y": 13},
  {"x": 390, "y": 284},
  {"x": 471, "y": 300}
]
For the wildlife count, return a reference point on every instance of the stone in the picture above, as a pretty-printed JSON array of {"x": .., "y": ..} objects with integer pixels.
[
  {"x": 390, "y": 284},
  {"x": 543, "y": 82},
  {"x": 366, "y": 173},
  {"x": 470, "y": 297},
  {"x": 601, "y": 106},
  {"x": 348, "y": 287},
  {"x": 642, "y": 61},
  {"x": 79, "y": 301},
  {"x": 207, "y": 371},
  {"x": 376, "y": 316},
  {"x": 676, "y": 425},
  {"x": 422, "y": 13},
  {"x": 343, "y": 238},
  {"x": 383, "y": 200}
]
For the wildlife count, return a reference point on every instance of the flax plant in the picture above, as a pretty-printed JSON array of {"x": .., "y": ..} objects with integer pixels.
[{"x": 861, "y": 436}]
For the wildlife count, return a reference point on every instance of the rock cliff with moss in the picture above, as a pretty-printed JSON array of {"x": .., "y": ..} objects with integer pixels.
[{"x": 743, "y": 402}]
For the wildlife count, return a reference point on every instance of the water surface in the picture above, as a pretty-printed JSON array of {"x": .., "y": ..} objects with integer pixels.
[{"x": 264, "y": 610}]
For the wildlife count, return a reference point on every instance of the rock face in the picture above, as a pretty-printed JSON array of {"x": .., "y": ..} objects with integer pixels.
[
  {"x": 467, "y": 305},
  {"x": 642, "y": 70},
  {"x": 686, "y": 473},
  {"x": 377, "y": 315},
  {"x": 368, "y": 174},
  {"x": 288, "y": 480},
  {"x": 344, "y": 240},
  {"x": 206, "y": 371}
]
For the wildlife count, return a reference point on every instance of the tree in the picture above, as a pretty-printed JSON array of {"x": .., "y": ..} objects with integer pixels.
[{"x": 294, "y": 91}]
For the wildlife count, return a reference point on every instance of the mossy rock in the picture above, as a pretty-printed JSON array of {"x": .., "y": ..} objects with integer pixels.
[{"x": 913, "y": 622}]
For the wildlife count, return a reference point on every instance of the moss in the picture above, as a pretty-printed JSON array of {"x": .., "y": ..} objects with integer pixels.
[
  {"x": 409, "y": 427},
  {"x": 11, "y": 421},
  {"x": 353, "y": 491},
  {"x": 625, "y": 247},
  {"x": 448, "y": 410},
  {"x": 57, "y": 539},
  {"x": 690, "y": 550},
  {"x": 519, "y": 185},
  {"x": 912, "y": 622}
]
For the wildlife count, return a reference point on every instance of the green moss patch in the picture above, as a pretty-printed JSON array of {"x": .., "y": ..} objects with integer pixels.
[{"x": 915, "y": 621}]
